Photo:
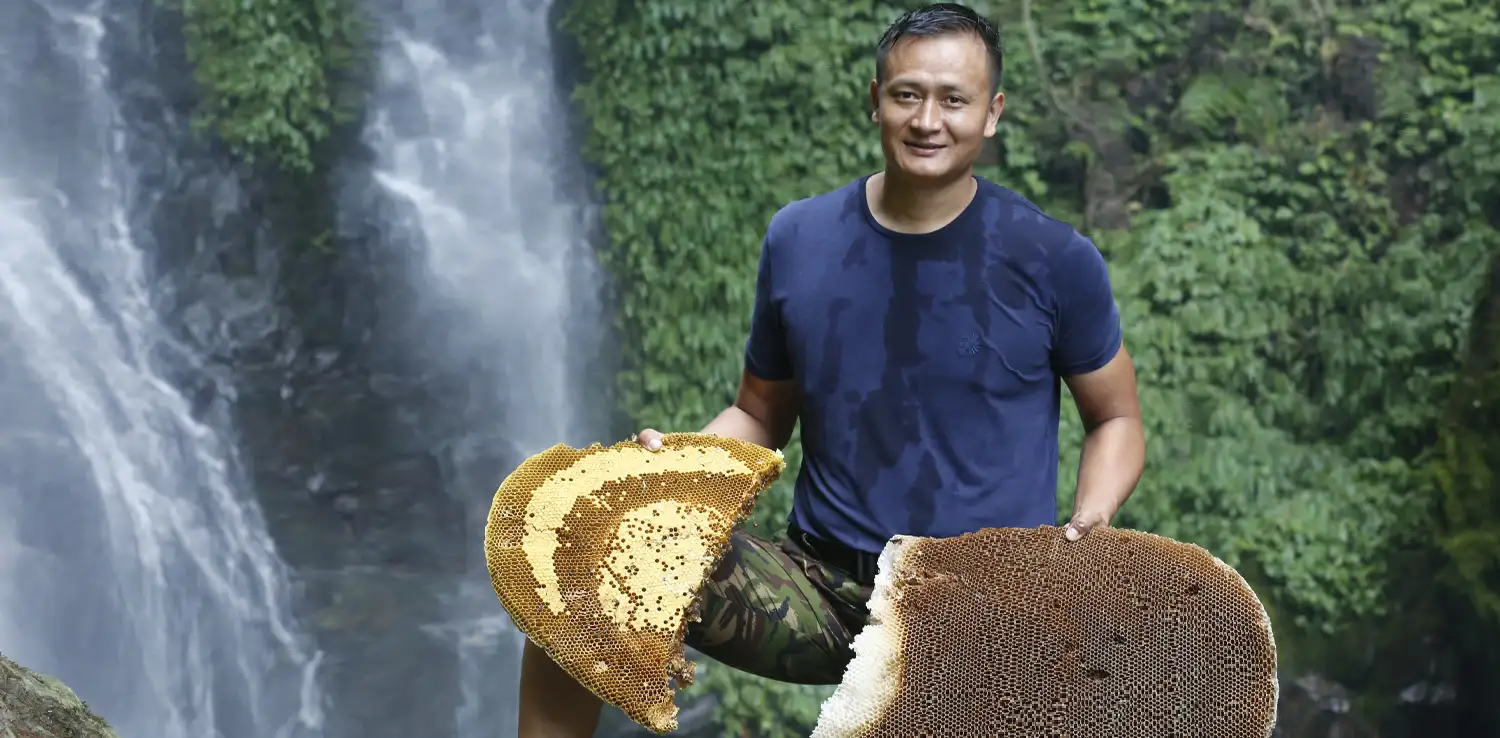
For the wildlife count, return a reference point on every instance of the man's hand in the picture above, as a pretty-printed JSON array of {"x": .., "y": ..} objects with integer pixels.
[
  {"x": 1084, "y": 521},
  {"x": 762, "y": 414}
]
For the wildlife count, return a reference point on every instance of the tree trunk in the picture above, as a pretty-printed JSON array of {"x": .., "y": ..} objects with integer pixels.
[{"x": 1468, "y": 479}]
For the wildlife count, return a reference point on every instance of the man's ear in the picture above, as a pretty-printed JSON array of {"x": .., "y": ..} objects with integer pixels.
[
  {"x": 874, "y": 101},
  {"x": 997, "y": 106}
]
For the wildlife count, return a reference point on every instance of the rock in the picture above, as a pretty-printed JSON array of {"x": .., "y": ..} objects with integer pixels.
[
  {"x": 1314, "y": 706},
  {"x": 34, "y": 705}
]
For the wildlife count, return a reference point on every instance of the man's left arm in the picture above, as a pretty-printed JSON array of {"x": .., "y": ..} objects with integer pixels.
[
  {"x": 1114, "y": 442},
  {"x": 1089, "y": 353}
]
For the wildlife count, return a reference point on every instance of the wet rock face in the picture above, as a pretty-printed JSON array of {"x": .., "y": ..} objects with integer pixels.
[
  {"x": 292, "y": 343},
  {"x": 35, "y": 705}
]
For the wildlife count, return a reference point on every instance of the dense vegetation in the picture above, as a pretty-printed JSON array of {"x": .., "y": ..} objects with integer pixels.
[
  {"x": 275, "y": 77},
  {"x": 1298, "y": 202}
]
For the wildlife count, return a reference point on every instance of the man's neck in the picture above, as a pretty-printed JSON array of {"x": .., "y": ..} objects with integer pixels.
[{"x": 918, "y": 207}]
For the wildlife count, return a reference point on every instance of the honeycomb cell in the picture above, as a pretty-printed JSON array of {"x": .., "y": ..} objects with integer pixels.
[
  {"x": 1019, "y": 632},
  {"x": 599, "y": 555}
]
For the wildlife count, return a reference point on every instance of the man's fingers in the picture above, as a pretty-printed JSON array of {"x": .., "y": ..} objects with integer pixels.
[
  {"x": 1080, "y": 526},
  {"x": 649, "y": 438}
]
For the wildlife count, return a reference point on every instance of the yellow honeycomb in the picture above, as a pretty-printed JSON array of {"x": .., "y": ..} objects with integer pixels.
[
  {"x": 599, "y": 555},
  {"x": 1019, "y": 632}
]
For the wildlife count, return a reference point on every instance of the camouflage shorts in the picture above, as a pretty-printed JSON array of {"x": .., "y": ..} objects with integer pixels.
[{"x": 773, "y": 610}]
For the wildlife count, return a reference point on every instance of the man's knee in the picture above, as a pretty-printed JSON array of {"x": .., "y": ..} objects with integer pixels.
[{"x": 793, "y": 642}]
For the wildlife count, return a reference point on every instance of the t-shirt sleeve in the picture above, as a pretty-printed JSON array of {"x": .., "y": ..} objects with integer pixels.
[
  {"x": 765, "y": 350},
  {"x": 1088, "y": 331}
]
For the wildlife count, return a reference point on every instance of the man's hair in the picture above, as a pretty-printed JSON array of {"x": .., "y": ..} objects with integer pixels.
[{"x": 938, "y": 19}]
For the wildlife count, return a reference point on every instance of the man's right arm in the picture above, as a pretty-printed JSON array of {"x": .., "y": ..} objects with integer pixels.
[
  {"x": 766, "y": 406},
  {"x": 763, "y": 413}
]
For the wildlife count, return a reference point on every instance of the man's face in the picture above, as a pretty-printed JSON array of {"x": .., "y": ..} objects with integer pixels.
[{"x": 934, "y": 109}]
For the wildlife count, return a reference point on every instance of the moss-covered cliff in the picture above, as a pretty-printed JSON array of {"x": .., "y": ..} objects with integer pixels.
[
  {"x": 35, "y": 705},
  {"x": 276, "y": 79}
]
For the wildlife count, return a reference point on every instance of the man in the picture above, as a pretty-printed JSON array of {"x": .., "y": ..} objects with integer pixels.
[{"x": 918, "y": 321}]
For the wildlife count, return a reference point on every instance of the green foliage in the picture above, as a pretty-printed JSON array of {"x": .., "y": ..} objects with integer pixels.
[
  {"x": 1297, "y": 302},
  {"x": 1292, "y": 196},
  {"x": 1298, "y": 277},
  {"x": 1283, "y": 400},
  {"x": 758, "y": 707},
  {"x": 275, "y": 76},
  {"x": 1476, "y": 160}
]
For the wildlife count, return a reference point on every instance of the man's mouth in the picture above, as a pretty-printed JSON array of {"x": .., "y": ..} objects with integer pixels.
[{"x": 923, "y": 149}]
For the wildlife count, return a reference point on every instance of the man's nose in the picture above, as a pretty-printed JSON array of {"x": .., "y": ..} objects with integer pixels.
[{"x": 928, "y": 118}]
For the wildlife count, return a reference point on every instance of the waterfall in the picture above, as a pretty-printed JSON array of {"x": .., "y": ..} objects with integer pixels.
[
  {"x": 136, "y": 567},
  {"x": 469, "y": 128}
]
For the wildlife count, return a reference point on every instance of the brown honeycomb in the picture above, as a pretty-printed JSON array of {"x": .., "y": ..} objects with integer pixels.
[
  {"x": 599, "y": 555},
  {"x": 1019, "y": 632}
]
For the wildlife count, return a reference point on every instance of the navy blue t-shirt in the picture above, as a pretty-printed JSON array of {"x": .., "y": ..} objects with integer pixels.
[{"x": 929, "y": 364}]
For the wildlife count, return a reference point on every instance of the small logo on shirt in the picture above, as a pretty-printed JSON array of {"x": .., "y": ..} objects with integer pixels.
[{"x": 969, "y": 345}]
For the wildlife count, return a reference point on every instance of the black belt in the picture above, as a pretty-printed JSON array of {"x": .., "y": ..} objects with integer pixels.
[{"x": 861, "y": 565}]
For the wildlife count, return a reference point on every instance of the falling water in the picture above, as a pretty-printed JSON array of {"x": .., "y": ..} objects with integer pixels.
[
  {"x": 469, "y": 127},
  {"x": 134, "y": 566}
]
